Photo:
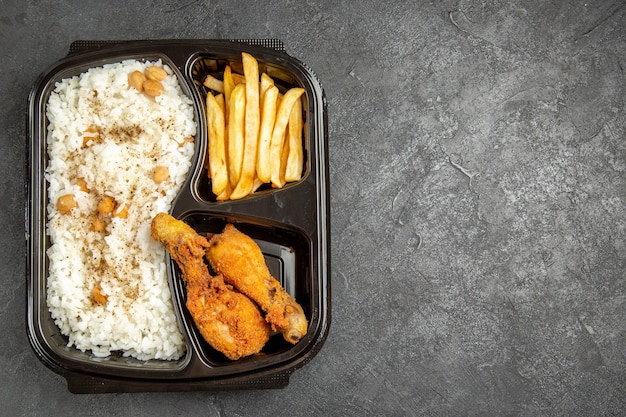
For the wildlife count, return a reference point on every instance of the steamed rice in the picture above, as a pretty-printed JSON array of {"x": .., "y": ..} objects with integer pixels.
[{"x": 137, "y": 134}]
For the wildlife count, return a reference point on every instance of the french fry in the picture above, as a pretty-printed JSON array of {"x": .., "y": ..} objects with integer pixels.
[
  {"x": 225, "y": 195},
  {"x": 229, "y": 86},
  {"x": 214, "y": 84},
  {"x": 252, "y": 123},
  {"x": 268, "y": 117},
  {"x": 236, "y": 128},
  {"x": 293, "y": 170},
  {"x": 257, "y": 184},
  {"x": 238, "y": 78},
  {"x": 284, "y": 154},
  {"x": 221, "y": 101},
  {"x": 217, "y": 146},
  {"x": 266, "y": 83},
  {"x": 278, "y": 133}
]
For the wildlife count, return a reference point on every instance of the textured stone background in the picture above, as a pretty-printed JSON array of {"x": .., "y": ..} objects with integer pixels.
[{"x": 478, "y": 190}]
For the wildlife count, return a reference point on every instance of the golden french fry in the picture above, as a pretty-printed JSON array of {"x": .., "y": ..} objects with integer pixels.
[
  {"x": 252, "y": 123},
  {"x": 278, "y": 133},
  {"x": 229, "y": 86},
  {"x": 214, "y": 84},
  {"x": 236, "y": 129},
  {"x": 266, "y": 83},
  {"x": 228, "y": 82},
  {"x": 238, "y": 78},
  {"x": 268, "y": 117},
  {"x": 222, "y": 103},
  {"x": 284, "y": 154},
  {"x": 225, "y": 195},
  {"x": 257, "y": 184},
  {"x": 217, "y": 146},
  {"x": 295, "y": 160}
]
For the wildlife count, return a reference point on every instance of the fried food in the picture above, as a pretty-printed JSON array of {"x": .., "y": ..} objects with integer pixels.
[
  {"x": 214, "y": 84},
  {"x": 268, "y": 116},
  {"x": 228, "y": 320},
  {"x": 217, "y": 144},
  {"x": 295, "y": 159},
  {"x": 240, "y": 261},
  {"x": 251, "y": 132},
  {"x": 236, "y": 132},
  {"x": 278, "y": 134},
  {"x": 263, "y": 130},
  {"x": 229, "y": 86}
]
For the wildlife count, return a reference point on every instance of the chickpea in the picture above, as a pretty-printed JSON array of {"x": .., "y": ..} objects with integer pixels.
[
  {"x": 97, "y": 224},
  {"x": 161, "y": 173},
  {"x": 121, "y": 211},
  {"x": 92, "y": 134},
  {"x": 153, "y": 88},
  {"x": 155, "y": 73},
  {"x": 106, "y": 205},
  {"x": 98, "y": 296},
  {"x": 82, "y": 184},
  {"x": 136, "y": 80},
  {"x": 66, "y": 203}
]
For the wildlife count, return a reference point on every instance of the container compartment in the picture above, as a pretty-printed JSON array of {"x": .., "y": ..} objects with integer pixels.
[
  {"x": 45, "y": 335},
  {"x": 203, "y": 64},
  {"x": 287, "y": 253}
]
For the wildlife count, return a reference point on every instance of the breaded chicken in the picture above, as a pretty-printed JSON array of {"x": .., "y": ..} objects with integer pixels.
[
  {"x": 228, "y": 320},
  {"x": 240, "y": 261}
]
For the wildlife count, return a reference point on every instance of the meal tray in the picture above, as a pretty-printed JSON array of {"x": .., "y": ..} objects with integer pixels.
[{"x": 291, "y": 226}]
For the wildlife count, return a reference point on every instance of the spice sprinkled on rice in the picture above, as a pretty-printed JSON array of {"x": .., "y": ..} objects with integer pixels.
[{"x": 118, "y": 154}]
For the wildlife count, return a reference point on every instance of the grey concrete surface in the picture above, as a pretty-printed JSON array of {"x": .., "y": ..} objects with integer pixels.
[{"x": 478, "y": 200}]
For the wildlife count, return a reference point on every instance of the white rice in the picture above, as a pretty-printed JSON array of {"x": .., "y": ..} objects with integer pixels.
[{"x": 137, "y": 133}]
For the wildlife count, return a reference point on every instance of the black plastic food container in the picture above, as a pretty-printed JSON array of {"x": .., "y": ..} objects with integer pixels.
[{"x": 291, "y": 226}]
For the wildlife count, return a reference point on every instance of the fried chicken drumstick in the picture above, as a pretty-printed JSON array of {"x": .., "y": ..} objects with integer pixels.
[
  {"x": 228, "y": 320},
  {"x": 240, "y": 261}
]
